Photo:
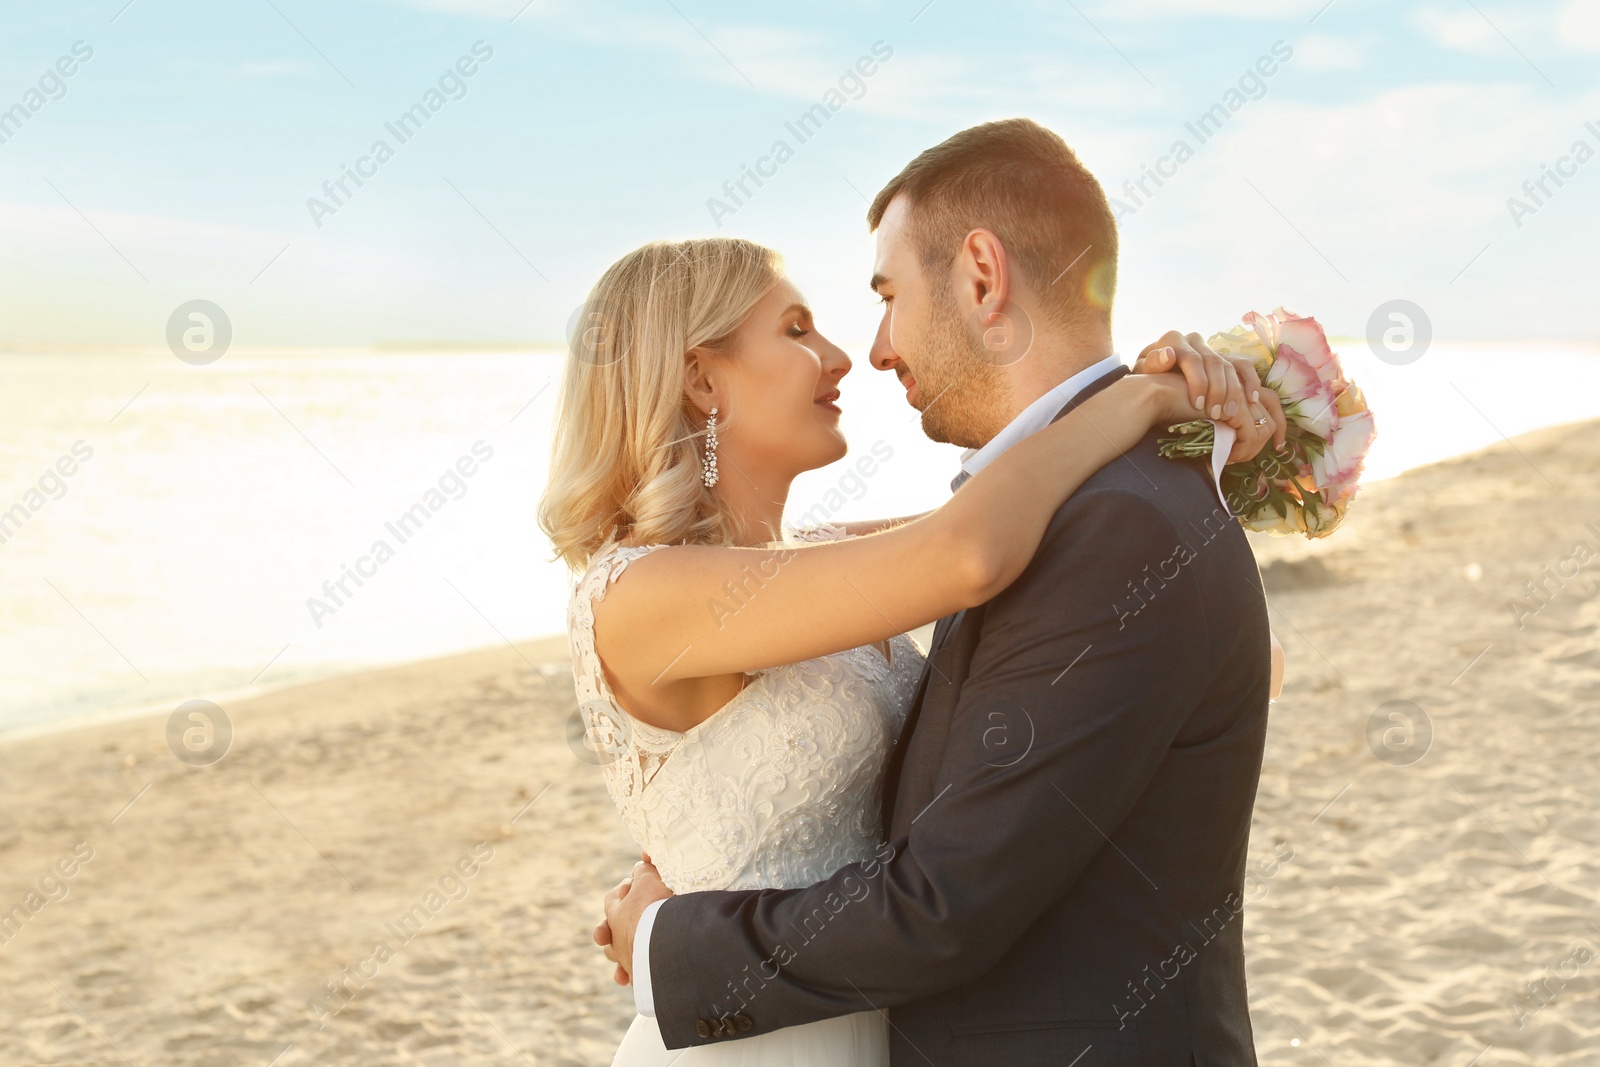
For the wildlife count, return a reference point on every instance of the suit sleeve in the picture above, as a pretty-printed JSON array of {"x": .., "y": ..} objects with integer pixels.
[{"x": 1105, "y": 688}]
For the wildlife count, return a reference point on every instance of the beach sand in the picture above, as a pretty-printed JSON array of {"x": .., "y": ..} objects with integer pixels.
[
  {"x": 1397, "y": 907},
  {"x": 1430, "y": 885}
]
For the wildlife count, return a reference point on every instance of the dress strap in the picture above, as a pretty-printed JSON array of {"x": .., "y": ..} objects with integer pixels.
[
  {"x": 607, "y": 566},
  {"x": 604, "y": 568},
  {"x": 628, "y": 751}
]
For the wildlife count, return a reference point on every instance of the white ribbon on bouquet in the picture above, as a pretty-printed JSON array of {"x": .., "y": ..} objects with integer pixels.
[{"x": 1225, "y": 437}]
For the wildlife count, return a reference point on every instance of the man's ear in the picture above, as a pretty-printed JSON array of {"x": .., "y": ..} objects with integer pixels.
[
  {"x": 698, "y": 385},
  {"x": 982, "y": 274}
]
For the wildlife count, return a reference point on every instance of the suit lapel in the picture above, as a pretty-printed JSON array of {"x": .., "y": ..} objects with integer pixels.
[
  {"x": 941, "y": 629},
  {"x": 1091, "y": 389},
  {"x": 897, "y": 755},
  {"x": 894, "y": 787}
]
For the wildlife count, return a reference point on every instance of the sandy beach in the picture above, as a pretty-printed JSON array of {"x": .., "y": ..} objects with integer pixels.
[{"x": 1425, "y": 889}]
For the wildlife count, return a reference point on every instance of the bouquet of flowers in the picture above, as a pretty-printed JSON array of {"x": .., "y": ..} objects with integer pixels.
[{"x": 1306, "y": 486}]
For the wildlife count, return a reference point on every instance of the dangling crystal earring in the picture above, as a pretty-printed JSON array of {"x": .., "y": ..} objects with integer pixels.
[{"x": 708, "y": 463}]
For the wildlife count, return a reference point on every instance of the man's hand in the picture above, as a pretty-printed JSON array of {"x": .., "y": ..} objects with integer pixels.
[
  {"x": 624, "y": 906},
  {"x": 1223, "y": 388}
]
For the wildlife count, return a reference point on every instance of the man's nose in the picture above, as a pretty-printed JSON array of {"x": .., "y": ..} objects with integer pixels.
[{"x": 883, "y": 356}]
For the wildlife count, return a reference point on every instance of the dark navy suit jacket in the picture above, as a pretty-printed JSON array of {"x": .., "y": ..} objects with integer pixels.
[{"x": 1067, "y": 813}]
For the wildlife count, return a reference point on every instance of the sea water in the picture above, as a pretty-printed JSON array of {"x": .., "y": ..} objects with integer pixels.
[{"x": 279, "y": 516}]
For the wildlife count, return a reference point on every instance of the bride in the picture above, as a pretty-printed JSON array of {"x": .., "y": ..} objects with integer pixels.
[{"x": 744, "y": 683}]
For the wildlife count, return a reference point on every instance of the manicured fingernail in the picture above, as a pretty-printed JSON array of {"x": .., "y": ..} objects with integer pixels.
[
  {"x": 1255, "y": 396},
  {"x": 1216, "y": 411},
  {"x": 1200, "y": 402},
  {"x": 1167, "y": 353}
]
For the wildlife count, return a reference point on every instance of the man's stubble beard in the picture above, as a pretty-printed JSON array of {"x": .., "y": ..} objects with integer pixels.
[{"x": 968, "y": 397}]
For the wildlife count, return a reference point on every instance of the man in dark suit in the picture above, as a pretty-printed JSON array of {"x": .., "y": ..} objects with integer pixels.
[{"x": 1067, "y": 809}]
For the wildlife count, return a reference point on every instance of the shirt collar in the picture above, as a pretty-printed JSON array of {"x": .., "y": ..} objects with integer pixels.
[{"x": 1037, "y": 415}]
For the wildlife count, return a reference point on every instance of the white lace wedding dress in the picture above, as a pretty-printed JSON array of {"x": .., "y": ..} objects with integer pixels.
[{"x": 778, "y": 788}]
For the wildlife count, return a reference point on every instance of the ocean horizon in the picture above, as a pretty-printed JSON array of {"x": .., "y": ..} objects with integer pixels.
[{"x": 206, "y": 532}]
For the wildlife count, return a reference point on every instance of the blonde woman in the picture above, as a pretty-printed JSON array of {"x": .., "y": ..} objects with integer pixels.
[{"x": 745, "y": 749}]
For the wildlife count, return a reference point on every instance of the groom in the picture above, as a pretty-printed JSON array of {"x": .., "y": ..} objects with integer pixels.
[{"x": 1068, "y": 806}]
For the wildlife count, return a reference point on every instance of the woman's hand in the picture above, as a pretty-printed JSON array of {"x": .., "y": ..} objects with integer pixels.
[
  {"x": 1169, "y": 400},
  {"x": 1223, "y": 388}
]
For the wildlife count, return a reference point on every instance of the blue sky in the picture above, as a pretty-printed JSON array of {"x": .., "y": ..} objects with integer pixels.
[{"x": 1374, "y": 163}]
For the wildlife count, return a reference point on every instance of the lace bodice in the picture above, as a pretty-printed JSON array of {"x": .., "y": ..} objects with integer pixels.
[{"x": 779, "y": 787}]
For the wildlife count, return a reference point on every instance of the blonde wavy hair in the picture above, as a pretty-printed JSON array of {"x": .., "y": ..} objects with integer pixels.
[{"x": 626, "y": 461}]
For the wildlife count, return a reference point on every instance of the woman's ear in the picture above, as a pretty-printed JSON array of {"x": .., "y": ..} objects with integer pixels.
[{"x": 697, "y": 384}]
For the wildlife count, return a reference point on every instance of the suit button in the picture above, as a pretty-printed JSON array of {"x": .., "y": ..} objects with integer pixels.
[
  {"x": 743, "y": 1021},
  {"x": 702, "y": 1028}
]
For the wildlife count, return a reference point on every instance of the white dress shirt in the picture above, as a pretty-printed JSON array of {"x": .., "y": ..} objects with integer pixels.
[
  {"x": 643, "y": 1001},
  {"x": 1033, "y": 418}
]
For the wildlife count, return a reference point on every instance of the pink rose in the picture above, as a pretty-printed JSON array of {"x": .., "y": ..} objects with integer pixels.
[
  {"x": 1307, "y": 399},
  {"x": 1338, "y": 469},
  {"x": 1306, "y": 337},
  {"x": 1265, "y": 328}
]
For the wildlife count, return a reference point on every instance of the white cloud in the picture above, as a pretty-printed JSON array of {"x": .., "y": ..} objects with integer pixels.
[
  {"x": 1578, "y": 25},
  {"x": 1573, "y": 26},
  {"x": 955, "y": 90},
  {"x": 800, "y": 66},
  {"x": 771, "y": 59},
  {"x": 492, "y": 9},
  {"x": 59, "y": 222},
  {"x": 1463, "y": 30},
  {"x": 1325, "y": 52},
  {"x": 1275, "y": 10},
  {"x": 1399, "y": 192}
]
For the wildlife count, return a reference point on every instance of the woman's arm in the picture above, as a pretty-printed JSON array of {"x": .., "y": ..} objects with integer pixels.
[{"x": 693, "y": 611}]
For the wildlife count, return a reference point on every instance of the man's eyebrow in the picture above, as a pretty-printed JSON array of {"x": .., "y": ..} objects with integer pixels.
[{"x": 877, "y": 280}]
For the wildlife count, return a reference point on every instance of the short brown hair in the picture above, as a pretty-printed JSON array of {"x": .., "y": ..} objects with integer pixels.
[{"x": 1020, "y": 181}]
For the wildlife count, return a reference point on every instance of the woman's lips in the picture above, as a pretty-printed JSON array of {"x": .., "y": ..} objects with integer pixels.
[{"x": 826, "y": 401}]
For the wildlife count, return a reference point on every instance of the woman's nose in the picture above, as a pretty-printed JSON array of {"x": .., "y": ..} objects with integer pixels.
[
  {"x": 838, "y": 361},
  {"x": 842, "y": 365}
]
